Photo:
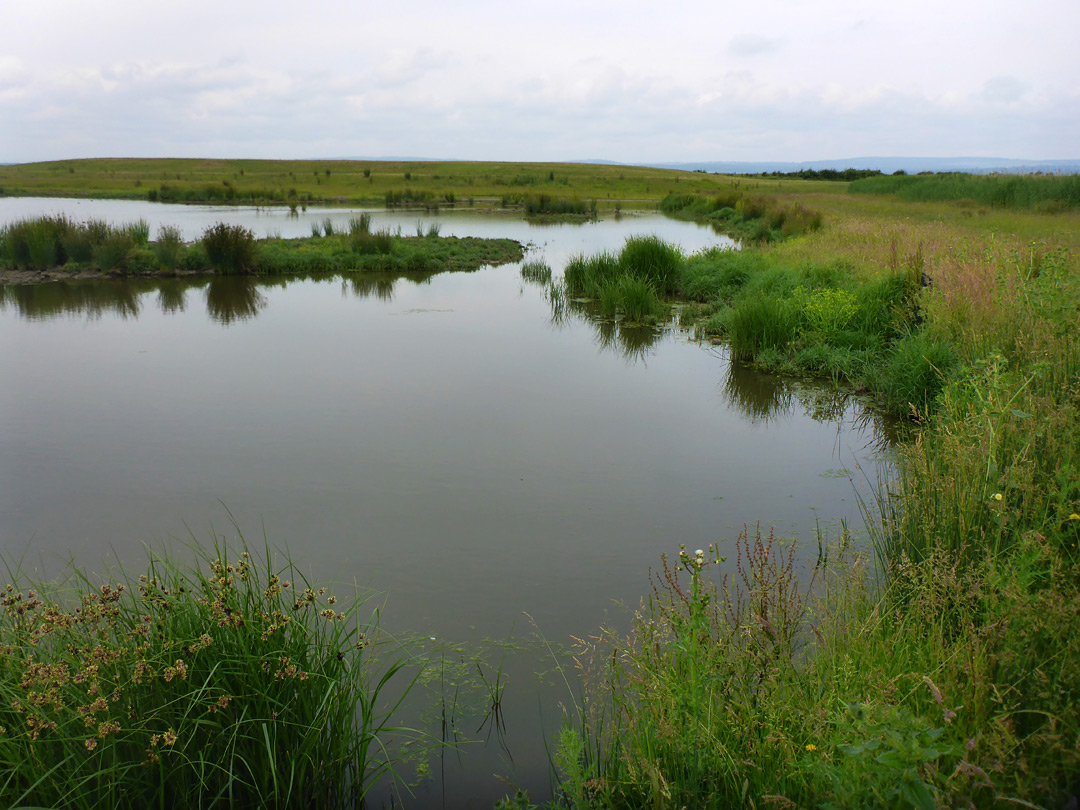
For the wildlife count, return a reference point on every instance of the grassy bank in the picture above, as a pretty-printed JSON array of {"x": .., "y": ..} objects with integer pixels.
[
  {"x": 57, "y": 243},
  {"x": 934, "y": 663},
  {"x": 230, "y": 682}
]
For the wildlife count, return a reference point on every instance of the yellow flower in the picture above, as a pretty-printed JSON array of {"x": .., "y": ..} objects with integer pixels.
[
  {"x": 811, "y": 747},
  {"x": 997, "y": 496},
  {"x": 1074, "y": 516}
]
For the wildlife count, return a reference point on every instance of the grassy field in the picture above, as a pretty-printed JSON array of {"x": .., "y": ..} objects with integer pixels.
[{"x": 363, "y": 182}]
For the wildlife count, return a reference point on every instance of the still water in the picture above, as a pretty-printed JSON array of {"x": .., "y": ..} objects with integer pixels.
[{"x": 444, "y": 440}]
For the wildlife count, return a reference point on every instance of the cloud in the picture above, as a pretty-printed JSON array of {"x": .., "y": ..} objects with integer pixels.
[
  {"x": 1003, "y": 90},
  {"x": 751, "y": 45}
]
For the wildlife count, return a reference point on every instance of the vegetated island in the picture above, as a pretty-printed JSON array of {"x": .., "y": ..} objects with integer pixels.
[{"x": 55, "y": 247}]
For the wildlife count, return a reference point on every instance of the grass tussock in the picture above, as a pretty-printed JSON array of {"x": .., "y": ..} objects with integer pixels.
[{"x": 231, "y": 682}]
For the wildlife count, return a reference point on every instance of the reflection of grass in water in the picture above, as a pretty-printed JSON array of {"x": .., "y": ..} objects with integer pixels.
[
  {"x": 89, "y": 299},
  {"x": 536, "y": 271},
  {"x": 229, "y": 300},
  {"x": 758, "y": 397},
  {"x": 631, "y": 340},
  {"x": 172, "y": 296},
  {"x": 371, "y": 285}
]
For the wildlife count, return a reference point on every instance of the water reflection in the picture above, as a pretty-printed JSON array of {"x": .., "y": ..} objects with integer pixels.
[
  {"x": 172, "y": 296},
  {"x": 631, "y": 340},
  {"x": 762, "y": 398},
  {"x": 233, "y": 299},
  {"x": 229, "y": 299},
  {"x": 92, "y": 299},
  {"x": 372, "y": 285}
]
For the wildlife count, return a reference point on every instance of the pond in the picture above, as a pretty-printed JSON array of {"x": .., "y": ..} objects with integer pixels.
[{"x": 445, "y": 440}]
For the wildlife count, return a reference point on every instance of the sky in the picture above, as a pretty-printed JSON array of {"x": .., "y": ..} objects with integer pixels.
[{"x": 628, "y": 81}]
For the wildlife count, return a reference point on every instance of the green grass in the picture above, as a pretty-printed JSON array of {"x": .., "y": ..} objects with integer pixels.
[
  {"x": 1047, "y": 193},
  {"x": 751, "y": 217},
  {"x": 932, "y": 663},
  {"x": 225, "y": 683},
  {"x": 632, "y": 284},
  {"x": 430, "y": 184}
]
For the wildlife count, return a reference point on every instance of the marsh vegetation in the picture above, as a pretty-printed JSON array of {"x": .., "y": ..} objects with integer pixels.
[{"x": 58, "y": 243}]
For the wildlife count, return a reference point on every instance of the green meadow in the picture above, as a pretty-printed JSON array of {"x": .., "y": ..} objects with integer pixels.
[{"x": 930, "y": 661}]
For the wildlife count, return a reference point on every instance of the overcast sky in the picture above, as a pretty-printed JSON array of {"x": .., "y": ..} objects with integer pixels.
[{"x": 558, "y": 80}]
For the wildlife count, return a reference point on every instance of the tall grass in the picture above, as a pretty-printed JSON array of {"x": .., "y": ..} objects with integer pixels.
[
  {"x": 1046, "y": 193},
  {"x": 49, "y": 242},
  {"x": 230, "y": 682},
  {"x": 169, "y": 246},
  {"x": 229, "y": 248},
  {"x": 757, "y": 218}
]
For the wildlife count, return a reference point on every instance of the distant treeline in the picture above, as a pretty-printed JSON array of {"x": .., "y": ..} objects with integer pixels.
[
  {"x": 1040, "y": 192},
  {"x": 846, "y": 175}
]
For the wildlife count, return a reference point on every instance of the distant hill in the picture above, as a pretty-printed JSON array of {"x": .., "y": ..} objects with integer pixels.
[{"x": 888, "y": 165}]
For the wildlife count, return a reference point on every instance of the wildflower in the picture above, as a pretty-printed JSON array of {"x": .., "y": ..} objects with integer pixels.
[
  {"x": 997, "y": 496},
  {"x": 1074, "y": 516},
  {"x": 811, "y": 747}
]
